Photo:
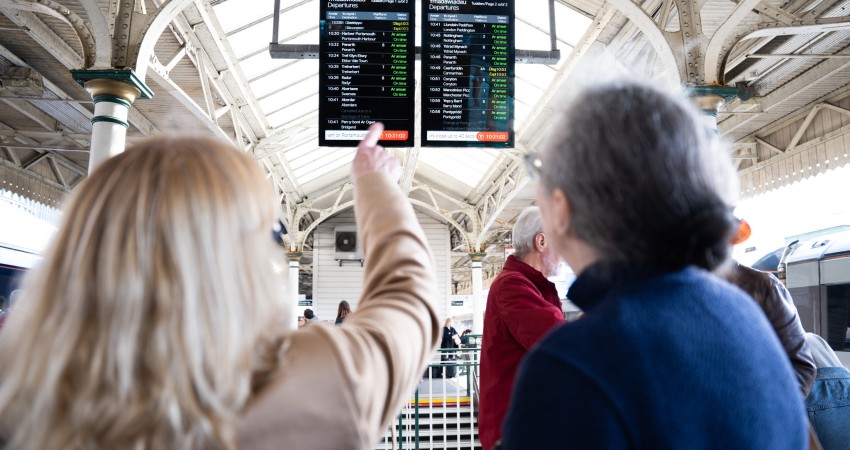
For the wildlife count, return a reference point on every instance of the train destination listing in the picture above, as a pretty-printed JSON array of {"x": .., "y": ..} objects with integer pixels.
[
  {"x": 366, "y": 71},
  {"x": 468, "y": 61}
]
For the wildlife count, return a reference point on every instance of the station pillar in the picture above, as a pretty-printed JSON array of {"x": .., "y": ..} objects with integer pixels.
[
  {"x": 113, "y": 93},
  {"x": 477, "y": 288},
  {"x": 292, "y": 287}
]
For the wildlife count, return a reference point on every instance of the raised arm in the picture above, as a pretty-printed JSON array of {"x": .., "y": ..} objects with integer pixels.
[
  {"x": 395, "y": 329},
  {"x": 340, "y": 387}
]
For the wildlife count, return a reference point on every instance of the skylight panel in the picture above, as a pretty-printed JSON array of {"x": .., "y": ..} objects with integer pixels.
[
  {"x": 234, "y": 14},
  {"x": 297, "y": 110},
  {"x": 246, "y": 41},
  {"x": 570, "y": 24}
]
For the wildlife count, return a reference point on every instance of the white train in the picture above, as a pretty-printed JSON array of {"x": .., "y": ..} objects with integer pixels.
[{"x": 817, "y": 274}]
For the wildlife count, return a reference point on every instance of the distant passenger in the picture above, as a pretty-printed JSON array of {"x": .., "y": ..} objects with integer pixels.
[
  {"x": 450, "y": 341},
  {"x": 342, "y": 312},
  {"x": 311, "y": 316},
  {"x": 775, "y": 300},
  {"x": 153, "y": 321},
  {"x": 302, "y": 322},
  {"x": 828, "y": 403},
  {"x": 464, "y": 337},
  {"x": 636, "y": 195},
  {"x": 521, "y": 307}
]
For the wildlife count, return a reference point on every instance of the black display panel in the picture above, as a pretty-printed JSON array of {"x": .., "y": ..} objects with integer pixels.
[
  {"x": 468, "y": 64},
  {"x": 366, "y": 71}
]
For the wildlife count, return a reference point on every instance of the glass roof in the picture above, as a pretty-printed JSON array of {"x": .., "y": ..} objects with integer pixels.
[{"x": 287, "y": 89}]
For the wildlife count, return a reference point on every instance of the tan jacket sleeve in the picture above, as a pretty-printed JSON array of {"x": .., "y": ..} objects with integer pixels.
[{"x": 340, "y": 387}]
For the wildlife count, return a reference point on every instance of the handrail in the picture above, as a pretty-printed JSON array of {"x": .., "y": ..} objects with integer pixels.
[{"x": 442, "y": 412}]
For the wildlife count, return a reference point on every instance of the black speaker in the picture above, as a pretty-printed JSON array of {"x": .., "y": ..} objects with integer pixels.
[{"x": 346, "y": 241}]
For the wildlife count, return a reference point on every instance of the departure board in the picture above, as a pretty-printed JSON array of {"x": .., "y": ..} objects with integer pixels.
[
  {"x": 468, "y": 64},
  {"x": 366, "y": 71}
]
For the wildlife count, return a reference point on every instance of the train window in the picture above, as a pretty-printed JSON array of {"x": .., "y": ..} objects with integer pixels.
[
  {"x": 838, "y": 316},
  {"x": 10, "y": 279}
]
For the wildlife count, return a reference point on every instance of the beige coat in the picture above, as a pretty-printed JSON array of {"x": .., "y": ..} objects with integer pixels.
[{"x": 340, "y": 387}]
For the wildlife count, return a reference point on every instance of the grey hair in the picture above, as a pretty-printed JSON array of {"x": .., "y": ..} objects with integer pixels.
[
  {"x": 527, "y": 225},
  {"x": 646, "y": 179}
]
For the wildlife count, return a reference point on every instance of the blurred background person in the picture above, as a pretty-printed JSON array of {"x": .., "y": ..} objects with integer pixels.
[
  {"x": 342, "y": 312},
  {"x": 522, "y": 306},
  {"x": 775, "y": 301},
  {"x": 464, "y": 337},
  {"x": 153, "y": 320},
  {"x": 310, "y": 316},
  {"x": 302, "y": 322},
  {"x": 828, "y": 404},
  {"x": 449, "y": 342},
  {"x": 636, "y": 195}
]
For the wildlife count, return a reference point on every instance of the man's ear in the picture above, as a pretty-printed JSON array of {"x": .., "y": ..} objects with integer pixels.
[{"x": 540, "y": 242}]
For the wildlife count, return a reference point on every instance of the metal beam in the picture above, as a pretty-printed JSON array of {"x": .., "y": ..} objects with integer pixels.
[
  {"x": 502, "y": 201},
  {"x": 720, "y": 38},
  {"x": 71, "y": 61},
  {"x": 777, "y": 14},
  {"x": 769, "y": 146},
  {"x": 37, "y": 115},
  {"x": 653, "y": 34},
  {"x": 230, "y": 74},
  {"x": 803, "y": 127},
  {"x": 45, "y": 37},
  {"x": 155, "y": 24},
  {"x": 58, "y": 173},
  {"x": 541, "y": 116},
  {"x": 411, "y": 159},
  {"x": 34, "y": 176},
  {"x": 795, "y": 56},
  {"x": 12, "y": 155},
  {"x": 800, "y": 148},
  {"x": 59, "y": 158},
  {"x": 842, "y": 25},
  {"x": 789, "y": 92},
  {"x": 28, "y": 165},
  {"x": 189, "y": 103},
  {"x": 42, "y": 148}
]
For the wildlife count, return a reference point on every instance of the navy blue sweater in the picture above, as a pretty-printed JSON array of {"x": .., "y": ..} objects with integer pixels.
[{"x": 661, "y": 360}]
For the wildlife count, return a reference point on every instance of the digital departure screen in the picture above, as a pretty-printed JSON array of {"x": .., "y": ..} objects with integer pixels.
[
  {"x": 366, "y": 71},
  {"x": 468, "y": 64}
]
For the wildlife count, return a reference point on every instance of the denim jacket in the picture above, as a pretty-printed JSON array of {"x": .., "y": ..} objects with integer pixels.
[{"x": 828, "y": 406}]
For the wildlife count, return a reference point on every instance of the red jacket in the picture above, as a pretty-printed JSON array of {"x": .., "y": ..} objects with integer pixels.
[{"x": 522, "y": 307}]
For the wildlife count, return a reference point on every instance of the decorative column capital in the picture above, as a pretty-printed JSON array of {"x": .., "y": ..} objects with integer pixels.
[
  {"x": 294, "y": 256},
  {"x": 477, "y": 257},
  {"x": 709, "y": 99},
  {"x": 123, "y": 84}
]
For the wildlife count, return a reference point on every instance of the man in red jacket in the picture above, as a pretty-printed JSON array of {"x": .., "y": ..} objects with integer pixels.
[{"x": 521, "y": 307}]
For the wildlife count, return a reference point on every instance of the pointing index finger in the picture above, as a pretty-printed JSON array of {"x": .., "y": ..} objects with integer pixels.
[{"x": 373, "y": 135}]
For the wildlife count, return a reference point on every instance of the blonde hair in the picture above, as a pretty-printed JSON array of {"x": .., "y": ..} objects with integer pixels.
[{"x": 153, "y": 309}]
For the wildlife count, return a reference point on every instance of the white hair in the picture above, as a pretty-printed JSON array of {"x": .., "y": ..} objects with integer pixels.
[
  {"x": 646, "y": 180},
  {"x": 527, "y": 226}
]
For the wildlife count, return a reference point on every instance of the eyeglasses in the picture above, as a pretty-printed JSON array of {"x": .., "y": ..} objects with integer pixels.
[
  {"x": 533, "y": 165},
  {"x": 278, "y": 231}
]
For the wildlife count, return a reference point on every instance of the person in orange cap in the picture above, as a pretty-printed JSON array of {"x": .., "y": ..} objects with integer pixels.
[{"x": 775, "y": 300}]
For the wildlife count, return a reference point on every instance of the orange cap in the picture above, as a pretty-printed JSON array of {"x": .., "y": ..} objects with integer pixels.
[{"x": 743, "y": 233}]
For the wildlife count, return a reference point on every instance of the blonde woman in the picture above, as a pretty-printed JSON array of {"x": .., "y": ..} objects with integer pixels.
[{"x": 152, "y": 321}]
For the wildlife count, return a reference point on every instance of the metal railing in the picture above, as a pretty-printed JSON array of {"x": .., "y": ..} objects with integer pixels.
[{"x": 443, "y": 412}]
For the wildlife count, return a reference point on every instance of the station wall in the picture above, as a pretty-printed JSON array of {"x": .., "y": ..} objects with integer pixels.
[{"x": 332, "y": 282}]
